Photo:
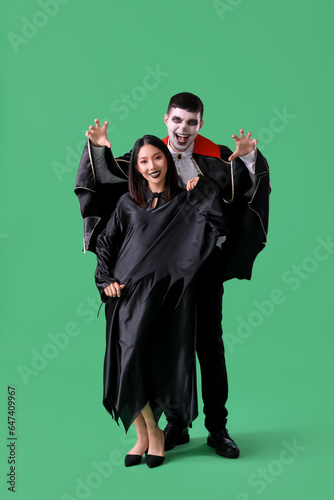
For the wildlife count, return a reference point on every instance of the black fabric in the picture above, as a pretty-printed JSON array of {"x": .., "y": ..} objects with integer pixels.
[
  {"x": 97, "y": 201},
  {"x": 150, "y": 352},
  {"x": 209, "y": 342},
  {"x": 247, "y": 216}
]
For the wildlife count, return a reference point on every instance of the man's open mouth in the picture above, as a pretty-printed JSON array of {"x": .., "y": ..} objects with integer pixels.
[
  {"x": 182, "y": 137},
  {"x": 155, "y": 174}
]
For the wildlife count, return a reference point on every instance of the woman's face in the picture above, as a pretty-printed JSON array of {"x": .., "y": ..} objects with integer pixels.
[{"x": 152, "y": 164}]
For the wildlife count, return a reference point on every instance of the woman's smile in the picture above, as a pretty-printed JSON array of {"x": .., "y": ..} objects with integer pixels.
[{"x": 152, "y": 164}]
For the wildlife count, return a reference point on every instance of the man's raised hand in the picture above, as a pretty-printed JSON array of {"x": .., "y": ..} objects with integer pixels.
[
  {"x": 244, "y": 145},
  {"x": 98, "y": 134}
]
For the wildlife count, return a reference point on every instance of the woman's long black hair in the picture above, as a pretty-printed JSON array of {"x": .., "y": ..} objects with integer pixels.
[{"x": 138, "y": 185}]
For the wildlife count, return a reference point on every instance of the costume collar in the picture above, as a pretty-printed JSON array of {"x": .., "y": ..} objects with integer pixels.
[
  {"x": 203, "y": 146},
  {"x": 178, "y": 155}
]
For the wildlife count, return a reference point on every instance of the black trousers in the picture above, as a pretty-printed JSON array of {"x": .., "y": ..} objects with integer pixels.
[{"x": 209, "y": 343}]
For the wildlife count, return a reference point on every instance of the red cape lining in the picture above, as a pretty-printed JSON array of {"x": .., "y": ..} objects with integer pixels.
[{"x": 203, "y": 146}]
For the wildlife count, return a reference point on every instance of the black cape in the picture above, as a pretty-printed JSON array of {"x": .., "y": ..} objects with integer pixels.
[
  {"x": 150, "y": 337},
  {"x": 247, "y": 216}
]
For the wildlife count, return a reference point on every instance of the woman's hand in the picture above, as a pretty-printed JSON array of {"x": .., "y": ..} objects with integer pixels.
[
  {"x": 98, "y": 134},
  {"x": 192, "y": 183},
  {"x": 113, "y": 290}
]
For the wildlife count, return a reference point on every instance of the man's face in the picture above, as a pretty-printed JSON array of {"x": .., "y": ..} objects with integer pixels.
[{"x": 183, "y": 127}]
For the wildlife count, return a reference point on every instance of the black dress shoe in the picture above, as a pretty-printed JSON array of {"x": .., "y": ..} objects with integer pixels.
[
  {"x": 175, "y": 434},
  {"x": 223, "y": 444},
  {"x": 154, "y": 461}
]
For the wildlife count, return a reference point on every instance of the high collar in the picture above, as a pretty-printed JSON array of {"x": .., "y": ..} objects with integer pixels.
[
  {"x": 202, "y": 146},
  {"x": 178, "y": 155}
]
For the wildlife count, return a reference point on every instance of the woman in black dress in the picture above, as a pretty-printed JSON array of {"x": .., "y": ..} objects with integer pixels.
[{"x": 156, "y": 240}]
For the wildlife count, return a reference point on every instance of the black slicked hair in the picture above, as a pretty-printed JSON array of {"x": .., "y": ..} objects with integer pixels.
[{"x": 189, "y": 102}]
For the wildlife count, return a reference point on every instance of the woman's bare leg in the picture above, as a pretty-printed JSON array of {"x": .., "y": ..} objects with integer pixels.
[
  {"x": 156, "y": 440},
  {"x": 142, "y": 438}
]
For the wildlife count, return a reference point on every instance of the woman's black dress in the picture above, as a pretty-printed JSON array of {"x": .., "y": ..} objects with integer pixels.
[{"x": 150, "y": 337}]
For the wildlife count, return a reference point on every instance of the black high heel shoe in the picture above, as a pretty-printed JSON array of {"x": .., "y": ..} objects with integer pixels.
[
  {"x": 154, "y": 461},
  {"x": 131, "y": 460}
]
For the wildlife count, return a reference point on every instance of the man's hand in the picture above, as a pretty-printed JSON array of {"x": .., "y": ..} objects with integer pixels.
[
  {"x": 244, "y": 145},
  {"x": 98, "y": 134},
  {"x": 192, "y": 183},
  {"x": 113, "y": 290}
]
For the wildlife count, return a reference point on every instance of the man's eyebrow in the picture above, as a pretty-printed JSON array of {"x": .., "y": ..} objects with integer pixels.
[{"x": 178, "y": 118}]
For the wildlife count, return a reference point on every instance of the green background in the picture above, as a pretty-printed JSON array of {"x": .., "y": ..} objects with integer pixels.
[{"x": 251, "y": 62}]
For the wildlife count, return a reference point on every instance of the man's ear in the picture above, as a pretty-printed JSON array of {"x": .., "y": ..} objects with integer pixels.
[
  {"x": 165, "y": 119},
  {"x": 201, "y": 125}
]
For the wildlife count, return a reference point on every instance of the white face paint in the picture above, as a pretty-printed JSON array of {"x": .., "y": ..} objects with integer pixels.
[
  {"x": 183, "y": 127},
  {"x": 152, "y": 164}
]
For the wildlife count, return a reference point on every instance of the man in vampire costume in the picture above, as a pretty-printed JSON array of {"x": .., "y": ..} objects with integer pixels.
[{"x": 102, "y": 179}]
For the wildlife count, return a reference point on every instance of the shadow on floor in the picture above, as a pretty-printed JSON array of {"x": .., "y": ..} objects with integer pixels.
[{"x": 251, "y": 444}]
